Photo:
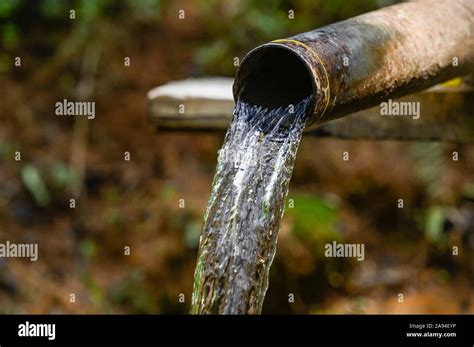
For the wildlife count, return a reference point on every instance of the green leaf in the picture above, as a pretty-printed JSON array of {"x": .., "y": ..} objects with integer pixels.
[
  {"x": 10, "y": 36},
  {"x": 434, "y": 224},
  {"x": 315, "y": 219},
  {"x": 33, "y": 181},
  {"x": 53, "y": 8},
  {"x": 7, "y": 7}
]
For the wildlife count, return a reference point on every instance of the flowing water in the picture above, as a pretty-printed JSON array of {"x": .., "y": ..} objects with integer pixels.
[{"x": 245, "y": 208}]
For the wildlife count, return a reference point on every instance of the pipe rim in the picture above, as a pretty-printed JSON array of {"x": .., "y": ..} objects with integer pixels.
[{"x": 237, "y": 86}]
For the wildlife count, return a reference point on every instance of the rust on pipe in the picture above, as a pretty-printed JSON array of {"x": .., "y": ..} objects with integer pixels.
[{"x": 360, "y": 62}]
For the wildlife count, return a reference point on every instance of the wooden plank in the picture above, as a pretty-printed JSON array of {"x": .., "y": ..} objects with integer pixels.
[{"x": 446, "y": 113}]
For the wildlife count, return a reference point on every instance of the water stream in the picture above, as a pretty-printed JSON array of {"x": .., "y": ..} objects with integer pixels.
[{"x": 244, "y": 211}]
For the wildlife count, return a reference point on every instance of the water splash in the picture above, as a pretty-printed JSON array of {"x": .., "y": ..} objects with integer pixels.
[{"x": 245, "y": 208}]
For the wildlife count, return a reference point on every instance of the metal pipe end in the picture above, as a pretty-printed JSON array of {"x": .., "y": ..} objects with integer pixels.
[{"x": 273, "y": 75}]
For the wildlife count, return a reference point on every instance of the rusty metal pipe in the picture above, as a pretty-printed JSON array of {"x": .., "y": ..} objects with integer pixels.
[
  {"x": 360, "y": 62},
  {"x": 447, "y": 113}
]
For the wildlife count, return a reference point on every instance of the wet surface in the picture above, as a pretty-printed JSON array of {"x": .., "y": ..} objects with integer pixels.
[{"x": 244, "y": 211}]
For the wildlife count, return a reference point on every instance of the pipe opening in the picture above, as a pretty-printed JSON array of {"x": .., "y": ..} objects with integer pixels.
[{"x": 273, "y": 77}]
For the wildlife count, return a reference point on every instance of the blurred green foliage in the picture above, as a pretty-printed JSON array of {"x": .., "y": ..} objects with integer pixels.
[
  {"x": 35, "y": 184},
  {"x": 315, "y": 220},
  {"x": 469, "y": 191},
  {"x": 192, "y": 234},
  {"x": 234, "y": 26},
  {"x": 250, "y": 22},
  {"x": 47, "y": 9},
  {"x": 7, "y": 7},
  {"x": 429, "y": 163},
  {"x": 60, "y": 175},
  {"x": 45, "y": 183},
  {"x": 7, "y": 150},
  {"x": 43, "y": 27},
  {"x": 129, "y": 291},
  {"x": 434, "y": 225}
]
